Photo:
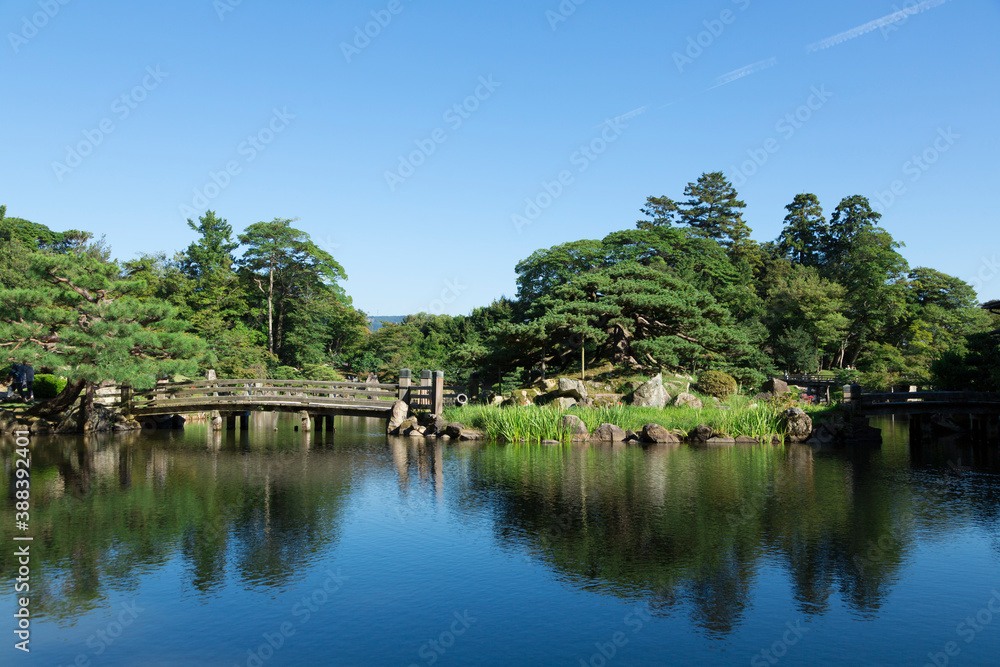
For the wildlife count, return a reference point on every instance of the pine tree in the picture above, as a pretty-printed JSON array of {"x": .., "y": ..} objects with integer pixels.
[
  {"x": 805, "y": 229},
  {"x": 715, "y": 210},
  {"x": 78, "y": 316}
]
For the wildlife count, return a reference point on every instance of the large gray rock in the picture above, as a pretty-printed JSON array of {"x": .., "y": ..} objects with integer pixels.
[
  {"x": 471, "y": 434},
  {"x": 400, "y": 411},
  {"x": 798, "y": 424},
  {"x": 651, "y": 394},
  {"x": 524, "y": 397},
  {"x": 703, "y": 433},
  {"x": 609, "y": 433},
  {"x": 572, "y": 388},
  {"x": 454, "y": 430},
  {"x": 574, "y": 427},
  {"x": 688, "y": 401},
  {"x": 564, "y": 403},
  {"x": 776, "y": 387},
  {"x": 658, "y": 434}
]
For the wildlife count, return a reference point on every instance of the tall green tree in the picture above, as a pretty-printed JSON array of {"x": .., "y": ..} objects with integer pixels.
[
  {"x": 660, "y": 212},
  {"x": 80, "y": 317},
  {"x": 852, "y": 217},
  {"x": 805, "y": 229},
  {"x": 283, "y": 264},
  {"x": 715, "y": 210}
]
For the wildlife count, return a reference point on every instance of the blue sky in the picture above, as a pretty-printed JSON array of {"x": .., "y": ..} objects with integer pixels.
[{"x": 258, "y": 110}]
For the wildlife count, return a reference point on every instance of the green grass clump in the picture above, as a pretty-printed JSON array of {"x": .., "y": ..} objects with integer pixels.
[{"x": 741, "y": 417}]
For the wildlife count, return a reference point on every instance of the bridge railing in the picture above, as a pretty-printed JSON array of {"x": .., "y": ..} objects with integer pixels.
[
  {"x": 930, "y": 397},
  {"x": 306, "y": 395}
]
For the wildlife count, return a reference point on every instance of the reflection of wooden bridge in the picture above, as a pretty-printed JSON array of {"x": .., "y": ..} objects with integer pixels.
[
  {"x": 937, "y": 402},
  {"x": 313, "y": 401},
  {"x": 934, "y": 413}
]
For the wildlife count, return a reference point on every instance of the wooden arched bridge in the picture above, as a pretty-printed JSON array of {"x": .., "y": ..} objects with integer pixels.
[{"x": 315, "y": 402}]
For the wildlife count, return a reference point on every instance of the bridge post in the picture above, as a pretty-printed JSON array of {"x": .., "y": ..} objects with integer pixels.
[
  {"x": 126, "y": 399},
  {"x": 230, "y": 421},
  {"x": 437, "y": 393},
  {"x": 306, "y": 421},
  {"x": 404, "y": 385},
  {"x": 424, "y": 401},
  {"x": 245, "y": 422}
]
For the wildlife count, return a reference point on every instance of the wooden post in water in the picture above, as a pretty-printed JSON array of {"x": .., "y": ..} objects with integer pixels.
[
  {"x": 404, "y": 385},
  {"x": 306, "y": 421},
  {"x": 214, "y": 416},
  {"x": 230, "y": 421},
  {"x": 425, "y": 382},
  {"x": 437, "y": 393},
  {"x": 245, "y": 422},
  {"x": 126, "y": 400}
]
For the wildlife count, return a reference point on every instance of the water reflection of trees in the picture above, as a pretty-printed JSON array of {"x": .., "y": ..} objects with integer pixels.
[
  {"x": 106, "y": 510},
  {"x": 692, "y": 530}
]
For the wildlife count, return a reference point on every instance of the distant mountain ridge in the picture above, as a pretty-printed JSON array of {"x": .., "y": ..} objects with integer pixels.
[{"x": 375, "y": 323}]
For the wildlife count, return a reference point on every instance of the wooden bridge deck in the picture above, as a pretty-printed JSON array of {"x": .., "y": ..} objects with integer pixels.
[
  {"x": 316, "y": 399},
  {"x": 957, "y": 402}
]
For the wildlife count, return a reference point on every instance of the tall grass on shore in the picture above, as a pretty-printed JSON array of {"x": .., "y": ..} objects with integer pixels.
[{"x": 740, "y": 417}]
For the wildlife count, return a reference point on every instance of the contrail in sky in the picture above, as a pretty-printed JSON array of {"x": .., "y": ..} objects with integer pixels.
[
  {"x": 895, "y": 17},
  {"x": 744, "y": 71}
]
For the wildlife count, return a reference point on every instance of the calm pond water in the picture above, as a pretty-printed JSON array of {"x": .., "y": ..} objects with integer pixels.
[{"x": 188, "y": 548}]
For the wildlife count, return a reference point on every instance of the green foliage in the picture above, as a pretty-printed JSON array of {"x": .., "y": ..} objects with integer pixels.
[
  {"x": 715, "y": 210},
  {"x": 79, "y": 316},
  {"x": 805, "y": 230},
  {"x": 285, "y": 373},
  {"x": 320, "y": 373},
  {"x": 48, "y": 386},
  {"x": 717, "y": 384},
  {"x": 536, "y": 423}
]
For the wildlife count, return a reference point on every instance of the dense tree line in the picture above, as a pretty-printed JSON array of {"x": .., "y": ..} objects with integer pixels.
[{"x": 684, "y": 289}]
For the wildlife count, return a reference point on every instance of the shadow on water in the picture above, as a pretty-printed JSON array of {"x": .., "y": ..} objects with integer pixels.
[
  {"x": 108, "y": 509},
  {"x": 688, "y": 531}
]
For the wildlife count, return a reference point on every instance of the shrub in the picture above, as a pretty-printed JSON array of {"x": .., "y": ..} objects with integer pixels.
[
  {"x": 322, "y": 374},
  {"x": 717, "y": 384},
  {"x": 285, "y": 373},
  {"x": 48, "y": 386}
]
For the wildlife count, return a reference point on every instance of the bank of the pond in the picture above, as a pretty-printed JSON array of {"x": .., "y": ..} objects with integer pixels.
[{"x": 740, "y": 418}]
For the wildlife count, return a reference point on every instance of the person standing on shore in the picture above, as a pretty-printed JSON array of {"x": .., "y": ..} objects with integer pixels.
[
  {"x": 27, "y": 382},
  {"x": 17, "y": 377}
]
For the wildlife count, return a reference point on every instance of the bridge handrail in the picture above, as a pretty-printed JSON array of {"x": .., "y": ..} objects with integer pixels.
[
  {"x": 428, "y": 394},
  {"x": 928, "y": 396}
]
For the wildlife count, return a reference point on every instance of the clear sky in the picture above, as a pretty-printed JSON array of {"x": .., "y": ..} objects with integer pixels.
[{"x": 118, "y": 114}]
